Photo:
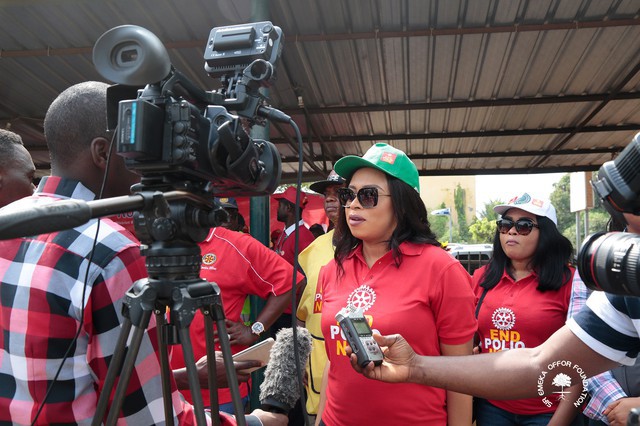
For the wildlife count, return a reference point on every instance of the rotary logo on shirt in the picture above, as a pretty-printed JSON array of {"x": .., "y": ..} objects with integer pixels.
[
  {"x": 362, "y": 298},
  {"x": 208, "y": 260},
  {"x": 502, "y": 337}
]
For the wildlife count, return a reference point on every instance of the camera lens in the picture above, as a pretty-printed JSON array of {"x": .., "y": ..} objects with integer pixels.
[
  {"x": 618, "y": 182},
  {"x": 611, "y": 263}
]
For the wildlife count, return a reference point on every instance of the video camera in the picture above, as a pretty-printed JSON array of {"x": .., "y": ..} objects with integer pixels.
[
  {"x": 178, "y": 136},
  {"x": 611, "y": 261}
]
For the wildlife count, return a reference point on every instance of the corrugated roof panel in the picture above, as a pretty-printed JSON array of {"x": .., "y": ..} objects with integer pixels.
[
  {"x": 364, "y": 54},
  {"x": 445, "y": 56},
  {"x": 619, "y": 112},
  {"x": 505, "y": 12}
]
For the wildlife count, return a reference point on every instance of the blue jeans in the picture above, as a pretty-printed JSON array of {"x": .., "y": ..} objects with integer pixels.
[
  {"x": 228, "y": 407},
  {"x": 488, "y": 414}
]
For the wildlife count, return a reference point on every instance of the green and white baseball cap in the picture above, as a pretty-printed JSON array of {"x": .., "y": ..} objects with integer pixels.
[
  {"x": 385, "y": 158},
  {"x": 534, "y": 205}
]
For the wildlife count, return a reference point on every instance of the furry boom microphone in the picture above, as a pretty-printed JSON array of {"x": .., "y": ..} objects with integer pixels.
[{"x": 280, "y": 389}]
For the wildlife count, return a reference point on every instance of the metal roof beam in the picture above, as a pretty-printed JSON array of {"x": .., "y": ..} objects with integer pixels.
[
  {"x": 488, "y": 154},
  {"x": 478, "y": 103},
  {"x": 377, "y": 35},
  {"x": 291, "y": 177},
  {"x": 476, "y": 134},
  {"x": 431, "y": 32}
]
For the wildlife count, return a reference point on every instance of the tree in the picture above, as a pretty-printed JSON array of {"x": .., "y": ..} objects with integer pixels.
[
  {"x": 459, "y": 201},
  {"x": 440, "y": 225},
  {"x": 488, "y": 212},
  {"x": 560, "y": 198},
  {"x": 482, "y": 231}
]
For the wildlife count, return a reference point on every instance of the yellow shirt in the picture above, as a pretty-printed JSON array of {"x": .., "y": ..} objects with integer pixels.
[{"x": 314, "y": 257}]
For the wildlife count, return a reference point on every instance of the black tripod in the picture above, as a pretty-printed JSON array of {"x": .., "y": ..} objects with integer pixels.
[{"x": 170, "y": 234}]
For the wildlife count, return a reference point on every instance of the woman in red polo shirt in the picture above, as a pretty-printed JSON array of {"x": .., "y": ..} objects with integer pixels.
[
  {"x": 389, "y": 264},
  {"x": 523, "y": 298}
]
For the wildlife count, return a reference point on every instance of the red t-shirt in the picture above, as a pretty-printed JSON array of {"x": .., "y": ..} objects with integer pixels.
[
  {"x": 428, "y": 299},
  {"x": 517, "y": 315},
  {"x": 241, "y": 266},
  {"x": 285, "y": 247}
]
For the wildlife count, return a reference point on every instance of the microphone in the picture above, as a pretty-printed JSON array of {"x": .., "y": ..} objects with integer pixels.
[{"x": 280, "y": 389}]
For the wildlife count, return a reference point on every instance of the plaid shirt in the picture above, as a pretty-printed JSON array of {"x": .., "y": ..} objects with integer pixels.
[
  {"x": 42, "y": 284},
  {"x": 603, "y": 388}
]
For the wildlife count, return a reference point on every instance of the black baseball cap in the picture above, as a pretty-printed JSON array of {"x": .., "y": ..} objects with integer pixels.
[{"x": 332, "y": 179}]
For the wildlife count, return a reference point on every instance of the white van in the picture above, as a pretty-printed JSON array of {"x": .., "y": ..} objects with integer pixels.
[{"x": 471, "y": 256}]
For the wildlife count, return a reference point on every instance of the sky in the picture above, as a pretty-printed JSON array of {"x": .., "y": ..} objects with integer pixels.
[{"x": 503, "y": 187}]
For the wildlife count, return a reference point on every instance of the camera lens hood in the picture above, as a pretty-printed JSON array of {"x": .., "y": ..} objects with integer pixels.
[{"x": 131, "y": 55}]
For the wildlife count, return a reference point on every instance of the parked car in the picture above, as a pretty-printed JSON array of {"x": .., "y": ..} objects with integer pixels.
[{"x": 471, "y": 256}]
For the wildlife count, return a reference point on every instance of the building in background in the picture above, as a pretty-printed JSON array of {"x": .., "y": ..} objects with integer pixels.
[{"x": 435, "y": 190}]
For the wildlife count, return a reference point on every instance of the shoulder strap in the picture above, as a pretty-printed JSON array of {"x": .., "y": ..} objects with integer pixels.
[{"x": 484, "y": 293}]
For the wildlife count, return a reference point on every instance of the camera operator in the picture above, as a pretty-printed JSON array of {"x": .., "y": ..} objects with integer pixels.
[
  {"x": 61, "y": 294},
  {"x": 614, "y": 393}
]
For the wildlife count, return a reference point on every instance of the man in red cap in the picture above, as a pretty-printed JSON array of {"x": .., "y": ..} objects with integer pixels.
[{"x": 285, "y": 246}]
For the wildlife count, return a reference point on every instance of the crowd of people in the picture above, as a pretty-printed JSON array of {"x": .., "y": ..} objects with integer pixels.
[{"x": 457, "y": 348}]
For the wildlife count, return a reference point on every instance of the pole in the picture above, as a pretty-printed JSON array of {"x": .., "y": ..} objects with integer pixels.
[
  {"x": 586, "y": 223},
  {"x": 577, "y": 229},
  {"x": 260, "y": 208}
]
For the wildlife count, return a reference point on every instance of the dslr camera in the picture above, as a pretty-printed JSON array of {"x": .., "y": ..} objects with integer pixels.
[
  {"x": 611, "y": 261},
  {"x": 178, "y": 136}
]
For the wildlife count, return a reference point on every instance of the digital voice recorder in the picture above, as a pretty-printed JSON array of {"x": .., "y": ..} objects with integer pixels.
[{"x": 359, "y": 336}]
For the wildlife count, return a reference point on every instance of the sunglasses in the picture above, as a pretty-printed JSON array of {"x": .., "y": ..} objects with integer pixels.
[
  {"x": 367, "y": 197},
  {"x": 523, "y": 226}
]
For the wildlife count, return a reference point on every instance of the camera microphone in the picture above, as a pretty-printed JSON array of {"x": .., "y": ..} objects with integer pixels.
[{"x": 280, "y": 389}]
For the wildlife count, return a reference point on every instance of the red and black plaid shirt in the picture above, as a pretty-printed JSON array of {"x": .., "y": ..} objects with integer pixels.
[{"x": 42, "y": 279}]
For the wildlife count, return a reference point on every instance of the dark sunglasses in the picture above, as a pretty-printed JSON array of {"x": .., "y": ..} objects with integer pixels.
[
  {"x": 367, "y": 197},
  {"x": 523, "y": 226}
]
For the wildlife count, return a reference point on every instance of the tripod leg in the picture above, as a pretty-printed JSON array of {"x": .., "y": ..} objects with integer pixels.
[
  {"x": 165, "y": 368},
  {"x": 112, "y": 372},
  {"x": 232, "y": 379},
  {"x": 127, "y": 368},
  {"x": 211, "y": 364},
  {"x": 192, "y": 374}
]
